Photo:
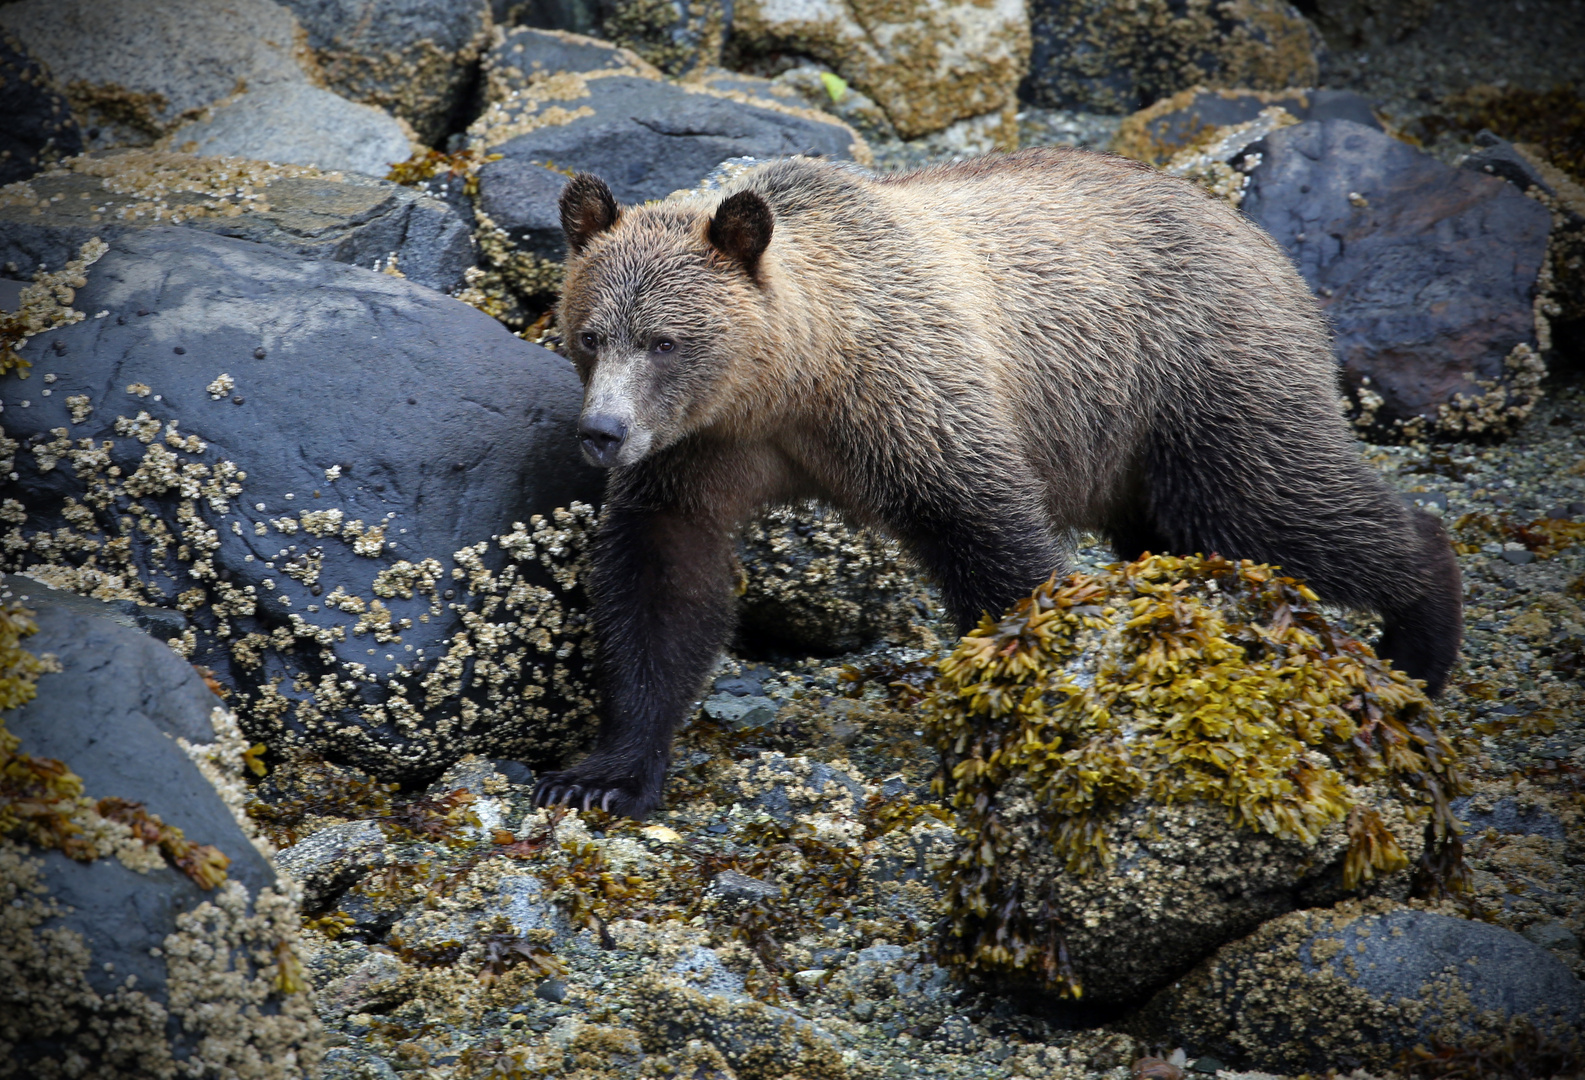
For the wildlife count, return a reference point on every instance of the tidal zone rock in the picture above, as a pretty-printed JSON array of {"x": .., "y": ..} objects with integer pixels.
[
  {"x": 143, "y": 933},
  {"x": 1430, "y": 275},
  {"x": 40, "y": 128},
  {"x": 1150, "y": 761},
  {"x": 364, "y": 496},
  {"x": 927, "y": 63},
  {"x": 1369, "y": 984}
]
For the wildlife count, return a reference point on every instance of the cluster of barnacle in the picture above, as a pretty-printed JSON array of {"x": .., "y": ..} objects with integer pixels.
[
  {"x": 1213, "y": 681},
  {"x": 45, "y": 304}
]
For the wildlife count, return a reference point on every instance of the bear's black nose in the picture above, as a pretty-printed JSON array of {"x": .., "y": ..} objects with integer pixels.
[{"x": 602, "y": 437}]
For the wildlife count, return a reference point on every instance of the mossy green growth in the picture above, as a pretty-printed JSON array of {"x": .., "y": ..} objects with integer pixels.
[{"x": 1170, "y": 680}]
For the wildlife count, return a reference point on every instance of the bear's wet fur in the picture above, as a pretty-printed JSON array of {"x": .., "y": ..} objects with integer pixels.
[{"x": 977, "y": 358}]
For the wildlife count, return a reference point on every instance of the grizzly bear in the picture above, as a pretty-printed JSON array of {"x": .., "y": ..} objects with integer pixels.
[{"x": 978, "y": 359}]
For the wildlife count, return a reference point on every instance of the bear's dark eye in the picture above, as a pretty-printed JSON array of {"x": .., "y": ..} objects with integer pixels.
[
  {"x": 589, "y": 340},
  {"x": 664, "y": 345}
]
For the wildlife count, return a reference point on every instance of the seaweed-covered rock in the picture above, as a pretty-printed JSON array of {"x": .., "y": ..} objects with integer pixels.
[
  {"x": 758, "y": 1041},
  {"x": 926, "y": 63},
  {"x": 337, "y": 475},
  {"x": 142, "y": 925},
  {"x": 815, "y": 586},
  {"x": 1150, "y": 761},
  {"x": 308, "y": 212},
  {"x": 1358, "y": 985},
  {"x": 298, "y": 124},
  {"x": 646, "y": 137},
  {"x": 414, "y": 58},
  {"x": 39, "y": 128},
  {"x": 1427, "y": 273},
  {"x": 136, "y": 69},
  {"x": 1119, "y": 55},
  {"x": 1190, "y": 117}
]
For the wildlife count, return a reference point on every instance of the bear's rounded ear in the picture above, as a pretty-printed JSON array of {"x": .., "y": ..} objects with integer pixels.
[
  {"x": 587, "y": 209},
  {"x": 741, "y": 229}
]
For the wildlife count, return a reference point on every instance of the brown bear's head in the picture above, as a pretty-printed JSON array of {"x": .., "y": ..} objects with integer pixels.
[{"x": 659, "y": 304}]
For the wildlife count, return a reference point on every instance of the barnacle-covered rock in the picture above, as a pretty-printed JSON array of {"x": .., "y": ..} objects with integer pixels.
[
  {"x": 140, "y": 926},
  {"x": 1151, "y": 760},
  {"x": 814, "y": 584}
]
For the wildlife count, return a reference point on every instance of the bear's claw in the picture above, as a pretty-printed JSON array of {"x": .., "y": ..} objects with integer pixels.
[{"x": 624, "y": 797}]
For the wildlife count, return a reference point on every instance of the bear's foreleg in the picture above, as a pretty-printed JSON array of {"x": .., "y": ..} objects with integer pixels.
[{"x": 661, "y": 593}]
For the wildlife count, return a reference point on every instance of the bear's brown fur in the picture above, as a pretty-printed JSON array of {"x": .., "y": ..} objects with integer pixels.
[{"x": 976, "y": 358}]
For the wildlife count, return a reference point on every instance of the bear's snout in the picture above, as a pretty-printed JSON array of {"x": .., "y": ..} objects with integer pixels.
[{"x": 602, "y": 436}]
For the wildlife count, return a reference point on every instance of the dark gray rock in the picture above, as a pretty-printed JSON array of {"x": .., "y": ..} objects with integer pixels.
[
  {"x": 731, "y": 885},
  {"x": 112, "y": 714},
  {"x": 338, "y": 429},
  {"x": 1427, "y": 273},
  {"x": 329, "y": 860},
  {"x": 1506, "y": 816},
  {"x": 1102, "y": 56},
  {"x": 353, "y": 219},
  {"x": 1158, "y": 133},
  {"x": 526, "y": 54},
  {"x": 577, "y": 16},
  {"x": 751, "y": 711},
  {"x": 414, "y": 58},
  {"x": 39, "y": 127},
  {"x": 1499, "y": 157},
  {"x": 1361, "y": 984},
  {"x": 646, "y": 138}
]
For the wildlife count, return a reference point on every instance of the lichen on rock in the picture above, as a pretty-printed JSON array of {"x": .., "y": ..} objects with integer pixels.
[{"x": 1171, "y": 703}]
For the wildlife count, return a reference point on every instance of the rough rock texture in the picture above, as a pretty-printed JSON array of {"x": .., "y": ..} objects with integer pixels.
[
  {"x": 336, "y": 475},
  {"x": 525, "y": 55},
  {"x": 646, "y": 138},
  {"x": 414, "y": 58},
  {"x": 341, "y": 217},
  {"x": 814, "y": 586},
  {"x": 135, "y": 69},
  {"x": 926, "y": 63},
  {"x": 39, "y": 127},
  {"x": 298, "y": 124},
  {"x": 133, "y": 938},
  {"x": 758, "y": 1041},
  {"x": 1187, "y": 118},
  {"x": 1428, "y": 274},
  {"x": 1350, "y": 24},
  {"x": 1119, "y": 55},
  {"x": 1356, "y": 985}
]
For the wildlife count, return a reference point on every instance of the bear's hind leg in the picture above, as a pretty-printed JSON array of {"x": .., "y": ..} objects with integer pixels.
[{"x": 1423, "y": 638}]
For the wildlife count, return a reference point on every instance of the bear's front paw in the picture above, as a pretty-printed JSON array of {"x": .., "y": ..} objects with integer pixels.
[{"x": 608, "y": 785}]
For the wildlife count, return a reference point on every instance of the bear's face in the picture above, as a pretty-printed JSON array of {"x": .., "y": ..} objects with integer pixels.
[{"x": 655, "y": 315}]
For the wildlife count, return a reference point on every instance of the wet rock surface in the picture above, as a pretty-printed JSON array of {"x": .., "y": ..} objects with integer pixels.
[
  {"x": 298, "y": 124},
  {"x": 413, "y": 58},
  {"x": 111, "y": 957},
  {"x": 40, "y": 128},
  {"x": 1114, "y": 57},
  {"x": 1361, "y": 984},
  {"x": 306, "y": 212},
  {"x": 1427, "y": 274},
  {"x": 256, "y": 415},
  {"x": 136, "y": 69}
]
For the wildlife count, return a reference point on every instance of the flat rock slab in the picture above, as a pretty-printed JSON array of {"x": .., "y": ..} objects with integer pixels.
[
  {"x": 525, "y": 55},
  {"x": 1361, "y": 983},
  {"x": 297, "y": 124},
  {"x": 39, "y": 127},
  {"x": 315, "y": 462},
  {"x": 135, "y": 69},
  {"x": 646, "y": 138},
  {"x": 112, "y": 714},
  {"x": 342, "y": 217},
  {"x": 1427, "y": 273}
]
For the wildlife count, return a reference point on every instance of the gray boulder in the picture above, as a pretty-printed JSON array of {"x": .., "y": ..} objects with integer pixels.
[
  {"x": 414, "y": 58},
  {"x": 525, "y": 55},
  {"x": 1427, "y": 273},
  {"x": 340, "y": 217},
  {"x": 647, "y": 139},
  {"x": 1357, "y": 985},
  {"x": 39, "y": 128},
  {"x": 135, "y": 69},
  {"x": 134, "y": 944},
  {"x": 336, "y": 475},
  {"x": 298, "y": 124}
]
